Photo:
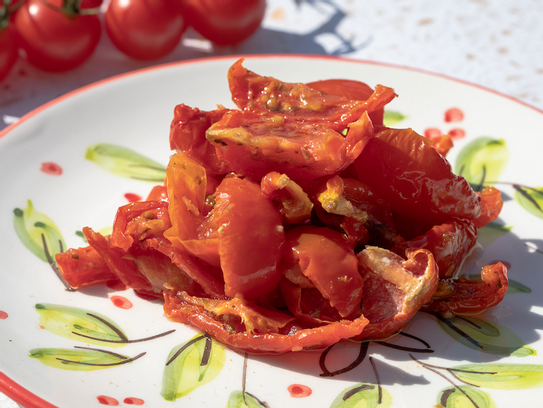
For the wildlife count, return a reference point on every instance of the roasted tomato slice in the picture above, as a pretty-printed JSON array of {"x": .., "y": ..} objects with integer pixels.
[
  {"x": 350, "y": 89},
  {"x": 491, "y": 206},
  {"x": 137, "y": 221},
  {"x": 120, "y": 265},
  {"x": 298, "y": 101},
  {"x": 250, "y": 237},
  {"x": 187, "y": 190},
  {"x": 471, "y": 296},
  {"x": 404, "y": 169},
  {"x": 289, "y": 198},
  {"x": 230, "y": 329},
  {"x": 352, "y": 206},
  {"x": 254, "y": 144},
  {"x": 394, "y": 288},
  {"x": 449, "y": 243},
  {"x": 83, "y": 267},
  {"x": 188, "y": 135},
  {"x": 323, "y": 256}
]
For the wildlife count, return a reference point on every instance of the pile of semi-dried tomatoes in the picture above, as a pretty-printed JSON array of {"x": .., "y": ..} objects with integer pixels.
[{"x": 297, "y": 220}]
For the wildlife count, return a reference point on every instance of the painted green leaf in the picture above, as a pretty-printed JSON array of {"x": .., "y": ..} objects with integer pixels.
[
  {"x": 238, "y": 399},
  {"x": 517, "y": 287},
  {"x": 124, "y": 162},
  {"x": 491, "y": 232},
  {"x": 480, "y": 335},
  {"x": 80, "y": 359},
  {"x": 191, "y": 365},
  {"x": 482, "y": 161},
  {"x": 531, "y": 199},
  {"x": 37, "y": 231},
  {"x": 80, "y": 325},
  {"x": 362, "y": 395},
  {"x": 392, "y": 117},
  {"x": 464, "y": 396},
  {"x": 501, "y": 376}
]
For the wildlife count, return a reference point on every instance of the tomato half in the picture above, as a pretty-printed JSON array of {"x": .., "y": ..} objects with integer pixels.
[
  {"x": 299, "y": 102},
  {"x": 471, "y": 296},
  {"x": 394, "y": 288},
  {"x": 350, "y": 89},
  {"x": 83, "y": 267},
  {"x": 325, "y": 258},
  {"x": 418, "y": 183},
  {"x": 254, "y": 144},
  {"x": 55, "y": 40},
  {"x": 226, "y": 327},
  {"x": 224, "y": 22},
  {"x": 144, "y": 29},
  {"x": 250, "y": 238},
  {"x": 449, "y": 243},
  {"x": 188, "y": 135},
  {"x": 491, "y": 206}
]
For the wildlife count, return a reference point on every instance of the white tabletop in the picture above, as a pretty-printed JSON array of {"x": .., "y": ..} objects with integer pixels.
[{"x": 496, "y": 44}]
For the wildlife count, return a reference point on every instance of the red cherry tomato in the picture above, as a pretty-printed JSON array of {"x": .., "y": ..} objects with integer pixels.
[
  {"x": 87, "y": 4},
  {"x": 144, "y": 29},
  {"x": 225, "y": 22},
  {"x": 8, "y": 51},
  {"x": 56, "y": 38},
  {"x": 8, "y": 47}
]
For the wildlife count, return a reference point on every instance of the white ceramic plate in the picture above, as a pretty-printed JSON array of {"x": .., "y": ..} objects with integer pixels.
[{"x": 135, "y": 111}]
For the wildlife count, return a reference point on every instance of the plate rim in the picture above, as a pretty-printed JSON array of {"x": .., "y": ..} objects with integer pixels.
[
  {"x": 28, "y": 399},
  {"x": 140, "y": 71}
]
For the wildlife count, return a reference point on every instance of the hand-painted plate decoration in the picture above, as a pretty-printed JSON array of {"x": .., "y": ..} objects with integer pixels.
[{"x": 74, "y": 161}]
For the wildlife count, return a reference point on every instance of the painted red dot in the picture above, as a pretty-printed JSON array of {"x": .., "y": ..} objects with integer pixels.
[
  {"x": 134, "y": 401},
  {"x": 430, "y": 133},
  {"x": 457, "y": 133},
  {"x": 116, "y": 284},
  {"x": 121, "y": 302},
  {"x": 51, "y": 168},
  {"x": 3, "y": 315},
  {"x": 299, "y": 391},
  {"x": 105, "y": 400},
  {"x": 454, "y": 115},
  {"x": 132, "y": 197}
]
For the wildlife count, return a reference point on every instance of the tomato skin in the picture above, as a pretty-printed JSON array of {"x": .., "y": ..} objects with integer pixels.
[
  {"x": 8, "y": 50},
  {"x": 250, "y": 238},
  {"x": 298, "y": 102},
  {"x": 52, "y": 40},
  {"x": 404, "y": 169},
  {"x": 182, "y": 308},
  {"x": 466, "y": 296},
  {"x": 352, "y": 206},
  {"x": 325, "y": 258},
  {"x": 188, "y": 135},
  {"x": 83, "y": 267},
  {"x": 289, "y": 198},
  {"x": 394, "y": 289},
  {"x": 224, "y": 22},
  {"x": 491, "y": 206},
  {"x": 350, "y": 89},
  {"x": 144, "y": 29},
  {"x": 449, "y": 243}
]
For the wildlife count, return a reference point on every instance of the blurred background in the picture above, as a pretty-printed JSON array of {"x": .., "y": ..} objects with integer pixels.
[{"x": 497, "y": 44}]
